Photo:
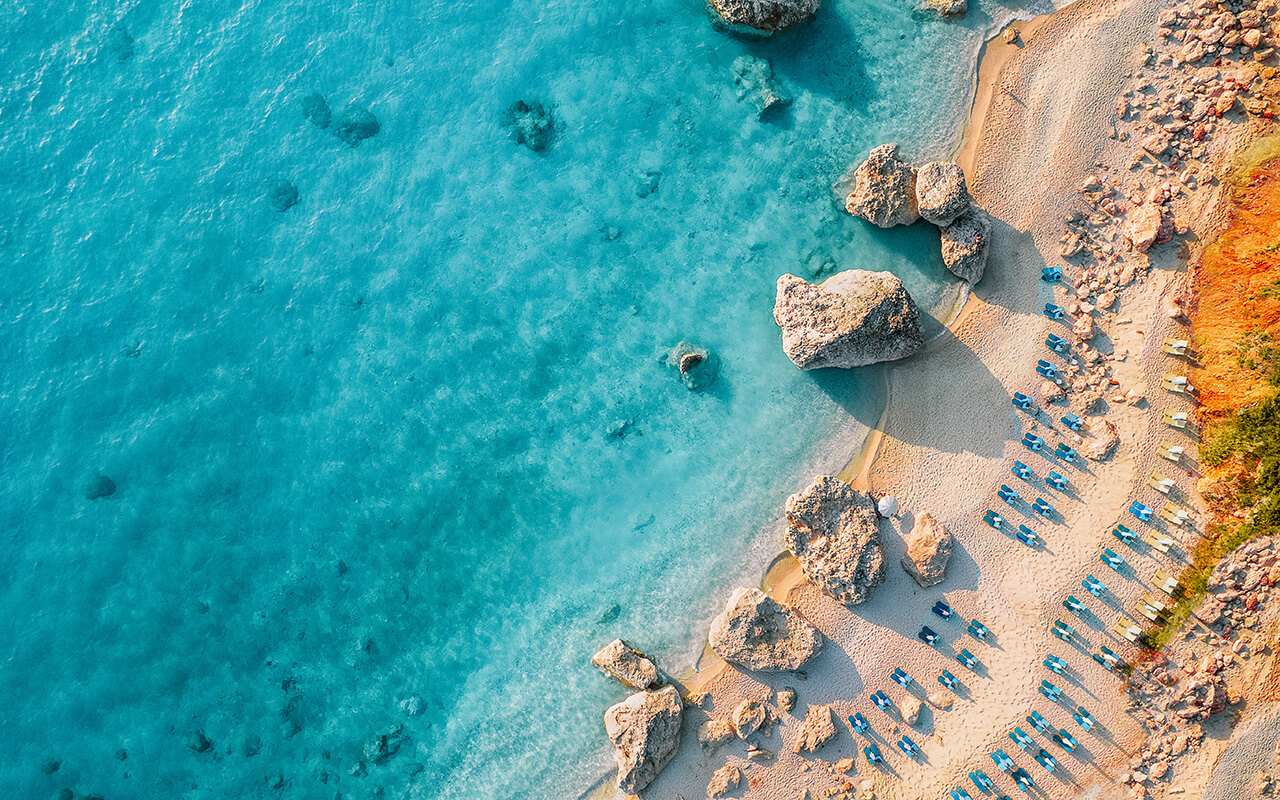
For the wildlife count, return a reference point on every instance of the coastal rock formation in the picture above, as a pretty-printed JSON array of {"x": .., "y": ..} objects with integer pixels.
[
  {"x": 817, "y": 729},
  {"x": 724, "y": 780},
  {"x": 948, "y": 8},
  {"x": 966, "y": 243},
  {"x": 852, "y": 319},
  {"x": 757, "y": 632},
  {"x": 629, "y": 666},
  {"x": 1147, "y": 225},
  {"x": 766, "y": 16},
  {"x": 696, "y": 365},
  {"x": 884, "y": 189},
  {"x": 1051, "y": 392},
  {"x": 531, "y": 125},
  {"x": 757, "y": 84},
  {"x": 911, "y": 706},
  {"x": 355, "y": 124},
  {"x": 645, "y": 731},
  {"x": 714, "y": 734},
  {"x": 928, "y": 550},
  {"x": 1083, "y": 328},
  {"x": 749, "y": 716},
  {"x": 786, "y": 699},
  {"x": 941, "y": 193},
  {"x": 833, "y": 533},
  {"x": 1104, "y": 442}
]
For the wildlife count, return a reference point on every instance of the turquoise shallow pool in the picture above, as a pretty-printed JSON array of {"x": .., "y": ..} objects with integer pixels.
[{"x": 359, "y": 470}]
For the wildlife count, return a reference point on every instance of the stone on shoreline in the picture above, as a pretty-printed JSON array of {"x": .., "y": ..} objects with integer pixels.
[
  {"x": 941, "y": 193},
  {"x": 966, "y": 243},
  {"x": 1105, "y": 441},
  {"x": 786, "y": 699},
  {"x": 817, "y": 729},
  {"x": 749, "y": 716},
  {"x": 724, "y": 780},
  {"x": 628, "y": 666},
  {"x": 833, "y": 532},
  {"x": 911, "y": 707},
  {"x": 714, "y": 734},
  {"x": 1145, "y": 225},
  {"x": 645, "y": 731},
  {"x": 928, "y": 550},
  {"x": 759, "y": 633},
  {"x": 766, "y": 16},
  {"x": 852, "y": 319},
  {"x": 884, "y": 189},
  {"x": 948, "y": 8}
]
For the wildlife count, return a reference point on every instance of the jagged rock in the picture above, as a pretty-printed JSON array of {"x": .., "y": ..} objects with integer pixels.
[
  {"x": 1087, "y": 401},
  {"x": 966, "y": 243},
  {"x": 852, "y": 319},
  {"x": 786, "y": 699},
  {"x": 941, "y": 193},
  {"x": 928, "y": 550},
  {"x": 697, "y": 366},
  {"x": 315, "y": 109},
  {"x": 884, "y": 189},
  {"x": 645, "y": 731},
  {"x": 832, "y": 531},
  {"x": 629, "y": 666},
  {"x": 531, "y": 124},
  {"x": 1083, "y": 327},
  {"x": 99, "y": 487},
  {"x": 724, "y": 780},
  {"x": 1104, "y": 442},
  {"x": 756, "y": 82},
  {"x": 1145, "y": 224},
  {"x": 766, "y": 16},
  {"x": 910, "y": 708},
  {"x": 197, "y": 742},
  {"x": 381, "y": 747},
  {"x": 282, "y": 195},
  {"x": 355, "y": 124},
  {"x": 948, "y": 8},
  {"x": 713, "y": 734},
  {"x": 941, "y": 700},
  {"x": 817, "y": 729},
  {"x": 748, "y": 716},
  {"x": 1051, "y": 392},
  {"x": 757, "y": 632}
]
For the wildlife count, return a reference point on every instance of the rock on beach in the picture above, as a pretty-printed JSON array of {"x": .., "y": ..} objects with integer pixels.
[
  {"x": 627, "y": 665},
  {"x": 816, "y": 730},
  {"x": 852, "y": 319},
  {"x": 884, "y": 190},
  {"x": 928, "y": 550},
  {"x": 941, "y": 192},
  {"x": 645, "y": 731},
  {"x": 832, "y": 531},
  {"x": 966, "y": 242},
  {"x": 759, "y": 633}
]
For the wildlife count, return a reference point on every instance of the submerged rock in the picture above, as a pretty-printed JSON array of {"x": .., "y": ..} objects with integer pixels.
[
  {"x": 832, "y": 531},
  {"x": 928, "y": 550},
  {"x": 941, "y": 193},
  {"x": 355, "y": 124},
  {"x": 381, "y": 747},
  {"x": 629, "y": 666},
  {"x": 852, "y": 319},
  {"x": 756, "y": 83},
  {"x": 966, "y": 243},
  {"x": 120, "y": 43},
  {"x": 757, "y": 632},
  {"x": 884, "y": 189},
  {"x": 948, "y": 8},
  {"x": 197, "y": 742},
  {"x": 315, "y": 109},
  {"x": 697, "y": 366},
  {"x": 817, "y": 729},
  {"x": 282, "y": 195},
  {"x": 766, "y": 16},
  {"x": 99, "y": 486},
  {"x": 645, "y": 731},
  {"x": 531, "y": 125}
]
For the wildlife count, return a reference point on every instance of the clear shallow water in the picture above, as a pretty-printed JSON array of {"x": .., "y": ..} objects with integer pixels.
[{"x": 361, "y": 448}]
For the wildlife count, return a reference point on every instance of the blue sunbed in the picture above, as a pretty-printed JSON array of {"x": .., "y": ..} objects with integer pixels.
[
  {"x": 993, "y": 519},
  {"x": 901, "y": 678},
  {"x": 948, "y": 680},
  {"x": 1053, "y": 311},
  {"x": 1008, "y": 495},
  {"x": 942, "y": 609},
  {"x": 1038, "y": 721},
  {"x": 1042, "y": 507},
  {"x": 1073, "y": 422},
  {"x": 1049, "y": 690},
  {"x": 1051, "y": 274},
  {"x": 1056, "y": 343},
  {"x": 1093, "y": 586},
  {"x": 928, "y": 636},
  {"x": 1023, "y": 402},
  {"x": 1124, "y": 534},
  {"x": 1033, "y": 442},
  {"x": 1022, "y": 471},
  {"x": 1065, "y": 453},
  {"x": 1056, "y": 481}
]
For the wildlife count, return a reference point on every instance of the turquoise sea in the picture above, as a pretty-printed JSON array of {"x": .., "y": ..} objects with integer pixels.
[{"x": 338, "y": 500}]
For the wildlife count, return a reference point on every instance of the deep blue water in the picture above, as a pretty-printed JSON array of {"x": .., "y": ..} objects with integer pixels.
[{"x": 360, "y": 449}]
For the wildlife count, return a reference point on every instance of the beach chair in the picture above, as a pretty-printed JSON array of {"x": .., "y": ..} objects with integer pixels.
[
  {"x": 1051, "y": 274},
  {"x": 1022, "y": 471},
  {"x": 1112, "y": 560},
  {"x": 901, "y": 678},
  {"x": 1166, "y": 583},
  {"x": 1127, "y": 629},
  {"x": 1161, "y": 482},
  {"x": 1042, "y": 507},
  {"x": 1172, "y": 452},
  {"x": 1141, "y": 510},
  {"x": 1050, "y": 691},
  {"x": 1159, "y": 605},
  {"x": 948, "y": 680},
  {"x": 1056, "y": 343},
  {"x": 1147, "y": 611},
  {"x": 993, "y": 519},
  {"x": 1056, "y": 481},
  {"x": 1002, "y": 760},
  {"x": 909, "y": 747},
  {"x": 1175, "y": 383},
  {"x": 1033, "y": 442},
  {"x": 1158, "y": 540},
  {"x": 1175, "y": 347},
  {"x": 978, "y": 631},
  {"x": 1065, "y": 740},
  {"x": 1083, "y": 718},
  {"x": 1112, "y": 660},
  {"x": 1062, "y": 630},
  {"x": 882, "y": 701},
  {"x": 1053, "y": 311},
  {"x": 1065, "y": 453},
  {"x": 1045, "y": 760},
  {"x": 1072, "y": 421},
  {"x": 1093, "y": 586},
  {"x": 968, "y": 659},
  {"x": 1073, "y": 605},
  {"x": 1125, "y": 535},
  {"x": 1046, "y": 370},
  {"x": 1176, "y": 419},
  {"x": 928, "y": 636},
  {"x": 1055, "y": 665},
  {"x": 981, "y": 780},
  {"x": 873, "y": 754},
  {"x": 1021, "y": 739},
  {"x": 942, "y": 610},
  {"x": 858, "y": 722},
  {"x": 1023, "y": 402},
  {"x": 959, "y": 793},
  {"x": 1176, "y": 514},
  {"x": 1027, "y": 536},
  {"x": 1008, "y": 495},
  {"x": 1037, "y": 720},
  {"x": 1022, "y": 780}
]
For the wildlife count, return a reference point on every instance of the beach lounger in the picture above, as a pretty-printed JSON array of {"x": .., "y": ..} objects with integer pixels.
[
  {"x": 1172, "y": 452},
  {"x": 1072, "y": 421},
  {"x": 1042, "y": 507},
  {"x": 942, "y": 609},
  {"x": 1158, "y": 541},
  {"x": 1074, "y": 605},
  {"x": 1033, "y": 442},
  {"x": 1046, "y": 370},
  {"x": 858, "y": 722},
  {"x": 1056, "y": 481},
  {"x": 873, "y": 754},
  {"x": 1176, "y": 419},
  {"x": 1147, "y": 611},
  {"x": 1062, "y": 630},
  {"x": 1125, "y": 535},
  {"x": 1051, "y": 274},
  {"x": 1056, "y": 343},
  {"x": 1161, "y": 482},
  {"x": 1155, "y": 602},
  {"x": 909, "y": 747},
  {"x": 1022, "y": 780},
  {"x": 1037, "y": 720},
  {"x": 901, "y": 678},
  {"x": 968, "y": 659},
  {"x": 1008, "y": 495},
  {"x": 882, "y": 701},
  {"x": 1141, "y": 510},
  {"x": 1093, "y": 586},
  {"x": 1165, "y": 582},
  {"x": 1084, "y": 718},
  {"x": 959, "y": 793},
  {"x": 1050, "y": 691},
  {"x": 1045, "y": 760},
  {"x": 1055, "y": 664},
  {"x": 1176, "y": 347},
  {"x": 1022, "y": 471},
  {"x": 978, "y": 630},
  {"x": 1176, "y": 514},
  {"x": 1021, "y": 739},
  {"x": 1127, "y": 629},
  {"x": 1027, "y": 536},
  {"x": 1112, "y": 560},
  {"x": 1112, "y": 660},
  {"x": 993, "y": 519},
  {"x": 1065, "y": 740},
  {"x": 1023, "y": 402},
  {"x": 1064, "y": 452},
  {"x": 928, "y": 636},
  {"x": 981, "y": 780},
  {"x": 1053, "y": 311},
  {"x": 1002, "y": 760},
  {"x": 948, "y": 680}
]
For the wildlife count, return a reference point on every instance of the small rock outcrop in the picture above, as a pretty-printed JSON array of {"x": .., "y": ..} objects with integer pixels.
[
  {"x": 282, "y": 195},
  {"x": 966, "y": 243},
  {"x": 1104, "y": 442},
  {"x": 884, "y": 189},
  {"x": 766, "y": 16},
  {"x": 817, "y": 729},
  {"x": 851, "y": 319},
  {"x": 941, "y": 193},
  {"x": 948, "y": 8},
  {"x": 759, "y": 633},
  {"x": 355, "y": 124},
  {"x": 645, "y": 731},
  {"x": 629, "y": 666},
  {"x": 531, "y": 125},
  {"x": 911, "y": 706},
  {"x": 786, "y": 699},
  {"x": 1146, "y": 225},
  {"x": 724, "y": 780},
  {"x": 757, "y": 84},
  {"x": 928, "y": 550},
  {"x": 832, "y": 531},
  {"x": 749, "y": 716},
  {"x": 696, "y": 365},
  {"x": 713, "y": 734}
]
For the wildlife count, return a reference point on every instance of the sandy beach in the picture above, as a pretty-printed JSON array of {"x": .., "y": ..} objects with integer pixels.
[{"x": 1044, "y": 121}]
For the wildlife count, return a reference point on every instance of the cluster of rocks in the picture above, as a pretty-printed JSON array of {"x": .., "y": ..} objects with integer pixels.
[
  {"x": 531, "y": 124},
  {"x": 353, "y": 124},
  {"x": 765, "y": 16},
  {"x": 832, "y": 531},
  {"x": 888, "y": 191},
  {"x": 758, "y": 633},
  {"x": 645, "y": 727},
  {"x": 1238, "y": 585}
]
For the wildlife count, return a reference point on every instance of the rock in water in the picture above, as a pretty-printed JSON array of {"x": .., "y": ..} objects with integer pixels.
[
  {"x": 355, "y": 124},
  {"x": 755, "y": 80},
  {"x": 757, "y": 632},
  {"x": 833, "y": 533},
  {"x": 531, "y": 125},
  {"x": 696, "y": 365},
  {"x": 315, "y": 109},
  {"x": 966, "y": 243},
  {"x": 941, "y": 193},
  {"x": 766, "y": 16},
  {"x": 948, "y": 8},
  {"x": 629, "y": 666},
  {"x": 283, "y": 195},
  {"x": 816, "y": 730},
  {"x": 884, "y": 189},
  {"x": 851, "y": 319},
  {"x": 749, "y": 716},
  {"x": 99, "y": 486},
  {"x": 928, "y": 550},
  {"x": 645, "y": 731},
  {"x": 120, "y": 43}
]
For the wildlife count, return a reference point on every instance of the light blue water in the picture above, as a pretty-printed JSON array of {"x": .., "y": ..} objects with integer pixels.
[{"x": 360, "y": 447}]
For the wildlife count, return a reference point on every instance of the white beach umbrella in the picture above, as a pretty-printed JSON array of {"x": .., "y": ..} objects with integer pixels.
[{"x": 888, "y": 505}]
